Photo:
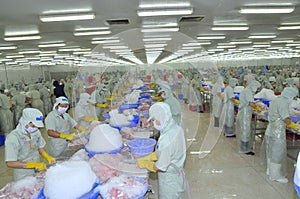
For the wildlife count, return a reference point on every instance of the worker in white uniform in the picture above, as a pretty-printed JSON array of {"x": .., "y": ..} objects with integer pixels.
[
  {"x": 169, "y": 156},
  {"x": 217, "y": 100},
  {"x": 25, "y": 144},
  {"x": 85, "y": 111},
  {"x": 45, "y": 97},
  {"x": 6, "y": 116},
  {"x": 58, "y": 125},
  {"x": 229, "y": 102},
  {"x": 99, "y": 97},
  {"x": 297, "y": 176},
  {"x": 18, "y": 105},
  {"x": 167, "y": 95},
  {"x": 274, "y": 142},
  {"x": 244, "y": 117}
]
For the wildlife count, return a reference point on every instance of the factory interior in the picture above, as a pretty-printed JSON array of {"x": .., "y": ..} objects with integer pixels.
[{"x": 149, "y": 99}]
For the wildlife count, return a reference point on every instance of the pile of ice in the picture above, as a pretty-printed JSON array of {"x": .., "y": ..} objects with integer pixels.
[
  {"x": 69, "y": 180},
  {"x": 104, "y": 138},
  {"x": 117, "y": 119}
]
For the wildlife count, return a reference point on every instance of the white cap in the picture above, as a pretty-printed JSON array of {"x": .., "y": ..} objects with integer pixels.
[{"x": 32, "y": 115}]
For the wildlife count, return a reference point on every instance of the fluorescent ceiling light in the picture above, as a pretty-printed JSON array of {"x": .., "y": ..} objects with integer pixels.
[
  {"x": 226, "y": 46},
  {"x": 261, "y": 46},
  {"x": 151, "y": 35},
  {"x": 241, "y": 42},
  {"x": 164, "y": 12},
  {"x": 105, "y": 41},
  {"x": 210, "y": 37},
  {"x": 262, "y": 36},
  {"x": 161, "y": 30},
  {"x": 29, "y": 52},
  {"x": 282, "y": 41},
  {"x": 157, "y": 39},
  {"x": 155, "y": 45},
  {"x": 4, "y": 60},
  {"x": 289, "y": 27},
  {"x": 8, "y": 47},
  {"x": 67, "y": 17},
  {"x": 293, "y": 44},
  {"x": 215, "y": 50},
  {"x": 172, "y": 24},
  {"x": 68, "y": 49},
  {"x": 22, "y": 38},
  {"x": 230, "y": 28},
  {"x": 92, "y": 33},
  {"x": 266, "y": 9},
  {"x": 91, "y": 28},
  {"x": 164, "y": 5},
  {"x": 51, "y": 45},
  {"x": 14, "y": 56}
]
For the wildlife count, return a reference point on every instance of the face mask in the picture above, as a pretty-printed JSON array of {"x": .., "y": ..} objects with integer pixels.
[
  {"x": 30, "y": 129},
  {"x": 158, "y": 127},
  {"x": 62, "y": 110}
]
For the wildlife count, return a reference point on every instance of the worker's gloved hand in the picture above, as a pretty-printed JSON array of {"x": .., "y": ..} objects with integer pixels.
[
  {"x": 257, "y": 109},
  {"x": 145, "y": 164},
  {"x": 104, "y": 105},
  {"x": 69, "y": 137},
  {"x": 39, "y": 166},
  {"x": 151, "y": 157},
  {"x": 201, "y": 89},
  {"x": 294, "y": 126},
  {"x": 221, "y": 95},
  {"x": 82, "y": 129},
  {"x": 109, "y": 98},
  {"x": 90, "y": 119},
  {"x": 237, "y": 102},
  {"x": 49, "y": 158}
]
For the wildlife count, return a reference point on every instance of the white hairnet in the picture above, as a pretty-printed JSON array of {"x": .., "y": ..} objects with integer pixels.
[
  {"x": 60, "y": 100},
  {"x": 32, "y": 115},
  {"x": 233, "y": 82},
  {"x": 161, "y": 112},
  {"x": 254, "y": 85},
  {"x": 289, "y": 92}
]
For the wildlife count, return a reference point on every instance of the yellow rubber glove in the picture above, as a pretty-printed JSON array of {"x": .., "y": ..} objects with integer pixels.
[
  {"x": 82, "y": 129},
  {"x": 294, "y": 126},
  {"x": 39, "y": 166},
  {"x": 69, "y": 137},
  {"x": 50, "y": 159},
  {"x": 151, "y": 157},
  {"x": 237, "y": 102},
  {"x": 221, "y": 95},
  {"x": 104, "y": 105},
  {"x": 109, "y": 98},
  {"x": 90, "y": 119},
  {"x": 201, "y": 89},
  {"x": 145, "y": 164},
  {"x": 257, "y": 109}
]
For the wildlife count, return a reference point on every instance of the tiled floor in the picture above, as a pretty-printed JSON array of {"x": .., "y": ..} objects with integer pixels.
[{"x": 222, "y": 174}]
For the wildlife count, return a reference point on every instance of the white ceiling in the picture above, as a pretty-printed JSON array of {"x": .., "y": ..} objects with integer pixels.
[{"x": 22, "y": 14}]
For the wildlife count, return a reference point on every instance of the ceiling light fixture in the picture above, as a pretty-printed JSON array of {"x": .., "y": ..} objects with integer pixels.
[
  {"x": 230, "y": 28},
  {"x": 67, "y": 17},
  {"x": 51, "y": 45},
  {"x": 164, "y": 12},
  {"x": 29, "y": 52},
  {"x": 164, "y": 5},
  {"x": 92, "y": 33},
  {"x": 282, "y": 41},
  {"x": 161, "y": 30},
  {"x": 210, "y": 37},
  {"x": 91, "y": 28},
  {"x": 266, "y": 9},
  {"x": 105, "y": 41},
  {"x": 241, "y": 42},
  {"x": 262, "y": 36},
  {"x": 8, "y": 47},
  {"x": 297, "y": 27},
  {"x": 23, "y": 38},
  {"x": 160, "y": 25}
]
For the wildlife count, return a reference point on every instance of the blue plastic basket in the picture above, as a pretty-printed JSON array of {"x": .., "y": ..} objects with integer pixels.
[
  {"x": 222, "y": 89},
  {"x": 237, "y": 97},
  {"x": 92, "y": 153},
  {"x": 258, "y": 99},
  {"x": 2, "y": 140},
  {"x": 93, "y": 194},
  {"x": 106, "y": 115},
  {"x": 135, "y": 121},
  {"x": 295, "y": 118},
  {"x": 145, "y": 95},
  {"x": 180, "y": 96},
  {"x": 141, "y": 146},
  {"x": 128, "y": 106},
  {"x": 140, "y": 196},
  {"x": 266, "y": 102}
]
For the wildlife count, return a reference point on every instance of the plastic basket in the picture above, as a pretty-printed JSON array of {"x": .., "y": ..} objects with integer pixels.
[
  {"x": 237, "y": 97},
  {"x": 140, "y": 196},
  {"x": 295, "y": 118},
  {"x": 258, "y": 99},
  {"x": 2, "y": 140},
  {"x": 180, "y": 96},
  {"x": 92, "y": 153},
  {"x": 92, "y": 194},
  {"x": 135, "y": 121},
  {"x": 106, "y": 115},
  {"x": 141, "y": 146},
  {"x": 266, "y": 102},
  {"x": 128, "y": 106},
  {"x": 144, "y": 95},
  {"x": 223, "y": 89}
]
